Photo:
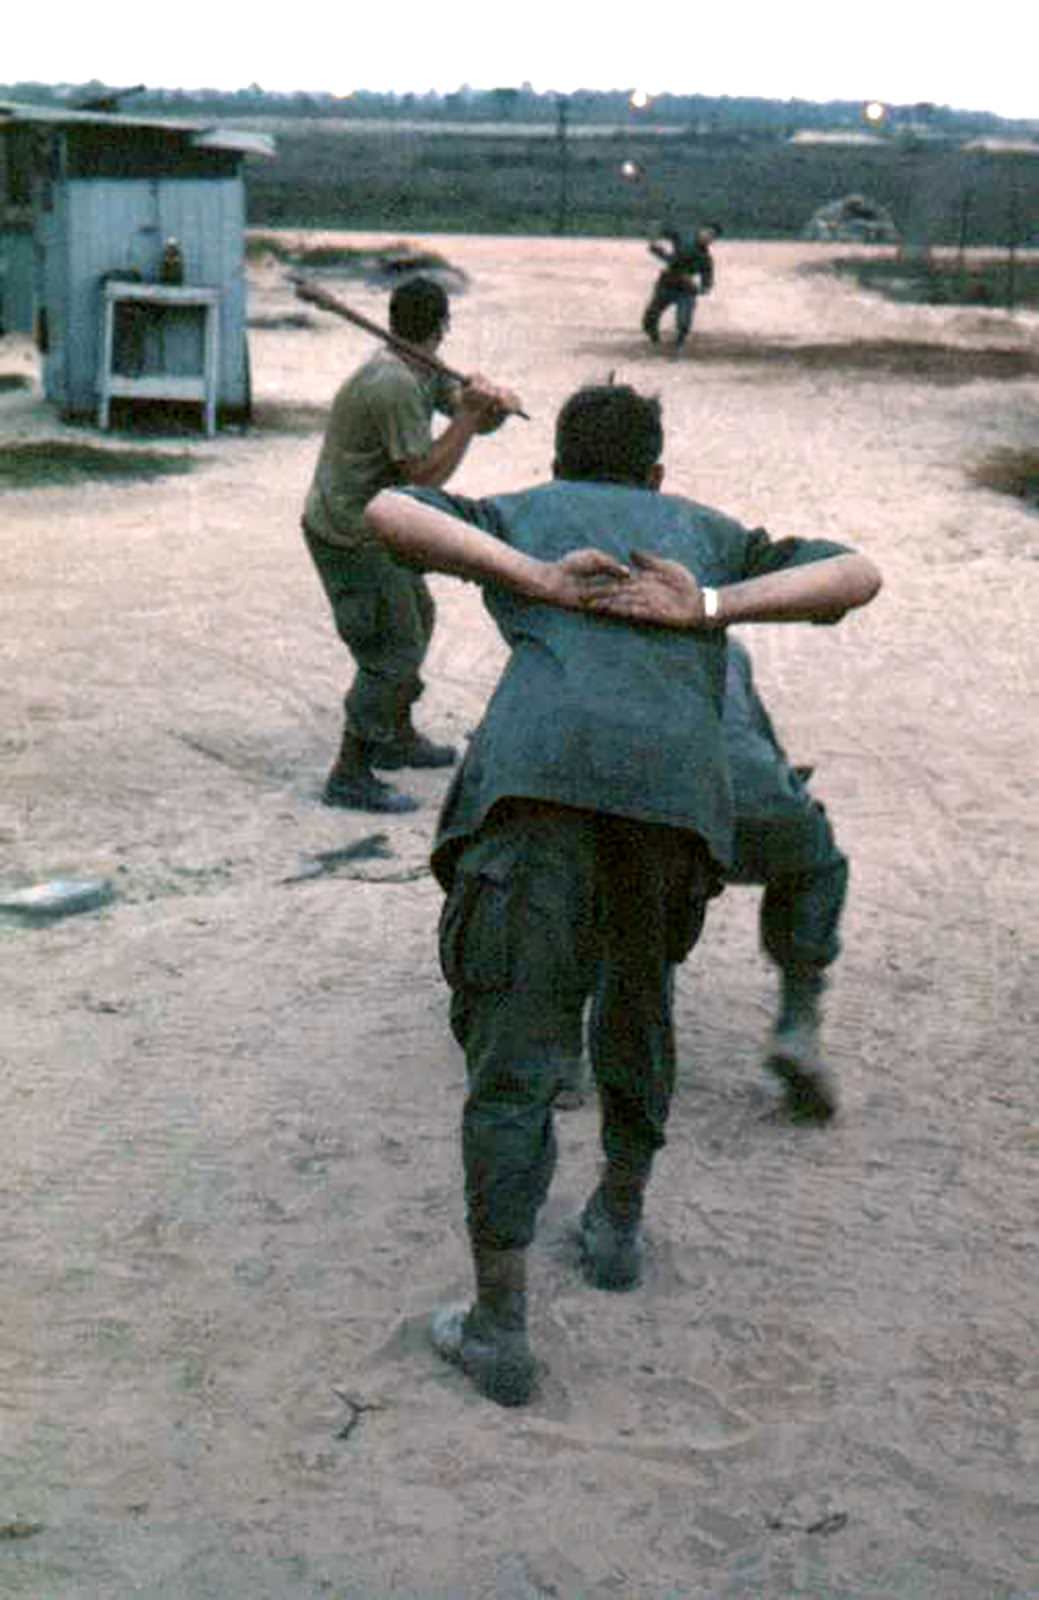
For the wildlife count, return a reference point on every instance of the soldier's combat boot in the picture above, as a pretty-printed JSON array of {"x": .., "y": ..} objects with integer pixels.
[
  {"x": 353, "y": 786},
  {"x": 610, "y": 1229},
  {"x": 409, "y": 748},
  {"x": 794, "y": 1052},
  {"x": 488, "y": 1339}
]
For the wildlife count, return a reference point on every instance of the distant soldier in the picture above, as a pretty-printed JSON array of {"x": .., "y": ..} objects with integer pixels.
[{"x": 688, "y": 271}]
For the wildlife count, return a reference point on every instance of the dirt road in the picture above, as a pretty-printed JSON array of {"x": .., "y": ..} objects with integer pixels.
[{"x": 231, "y": 1191}]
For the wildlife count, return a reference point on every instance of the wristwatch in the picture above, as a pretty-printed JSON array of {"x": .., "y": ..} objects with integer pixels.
[{"x": 710, "y": 602}]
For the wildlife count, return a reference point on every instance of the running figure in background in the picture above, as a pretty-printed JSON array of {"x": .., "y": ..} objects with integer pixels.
[{"x": 688, "y": 271}]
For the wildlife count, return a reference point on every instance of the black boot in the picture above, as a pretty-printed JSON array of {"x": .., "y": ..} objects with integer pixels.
[
  {"x": 353, "y": 786},
  {"x": 488, "y": 1339},
  {"x": 610, "y": 1227},
  {"x": 794, "y": 1052},
  {"x": 412, "y": 749}
]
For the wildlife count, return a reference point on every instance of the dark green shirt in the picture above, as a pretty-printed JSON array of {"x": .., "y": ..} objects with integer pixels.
[
  {"x": 596, "y": 713},
  {"x": 780, "y": 828},
  {"x": 760, "y": 770}
]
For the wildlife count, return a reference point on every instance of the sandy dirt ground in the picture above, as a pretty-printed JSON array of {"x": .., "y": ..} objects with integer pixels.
[{"x": 231, "y": 1193}]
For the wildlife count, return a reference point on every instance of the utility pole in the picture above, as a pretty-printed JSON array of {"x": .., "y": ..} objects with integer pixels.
[
  {"x": 1013, "y": 236},
  {"x": 562, "y": 113}
]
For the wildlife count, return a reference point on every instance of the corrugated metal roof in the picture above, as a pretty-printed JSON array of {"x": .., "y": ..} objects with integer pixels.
[
  {"x": 834, "y": 136},
  {"x": 252, "y": 144},
  {"x": 1005, "y": 147},
  {"x": 205, "y": 136}
]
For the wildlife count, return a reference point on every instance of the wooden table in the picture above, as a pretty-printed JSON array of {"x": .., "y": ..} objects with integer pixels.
[{"x": 161, "y": 301}]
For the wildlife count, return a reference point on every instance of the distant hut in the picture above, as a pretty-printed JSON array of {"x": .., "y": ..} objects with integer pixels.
[
  {"x": 852, "y": 220},
  {"x": 91, "y": 202},
  {"x": 835, "y": 137}
]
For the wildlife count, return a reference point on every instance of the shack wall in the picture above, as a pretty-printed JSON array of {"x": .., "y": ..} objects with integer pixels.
[
  {"x": 87, "y": 227},
  {"x": 16, "y": 276},
  {"x": 97, "y": 227}
]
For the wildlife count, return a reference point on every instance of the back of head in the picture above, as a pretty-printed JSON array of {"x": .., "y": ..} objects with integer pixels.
[
  {"x": 417, "y": 309},
  {"x": 608, "y": 433}
]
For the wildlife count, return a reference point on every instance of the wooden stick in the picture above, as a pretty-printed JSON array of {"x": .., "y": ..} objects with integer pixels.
[{"x": 306, "y": 290}]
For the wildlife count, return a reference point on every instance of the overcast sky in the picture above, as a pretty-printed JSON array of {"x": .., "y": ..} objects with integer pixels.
[{"x": 902, "y": 51}]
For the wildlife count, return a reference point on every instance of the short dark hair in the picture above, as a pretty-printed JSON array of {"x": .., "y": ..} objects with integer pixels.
[
  {"x": 609, "y": 432},
  {"x": 417, "y": 309}
]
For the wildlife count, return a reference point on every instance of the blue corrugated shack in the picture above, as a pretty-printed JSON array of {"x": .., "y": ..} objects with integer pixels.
[{"x": 123, "y": 251}]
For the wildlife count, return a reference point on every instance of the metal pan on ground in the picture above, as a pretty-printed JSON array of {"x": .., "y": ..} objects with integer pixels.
[{"x": 59, "y": 897}]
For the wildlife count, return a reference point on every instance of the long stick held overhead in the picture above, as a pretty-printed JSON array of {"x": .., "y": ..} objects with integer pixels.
[{"x": 309, "y": 291}]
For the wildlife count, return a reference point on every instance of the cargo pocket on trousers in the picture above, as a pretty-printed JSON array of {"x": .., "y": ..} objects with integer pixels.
[
  {"x": 513, "y": 922},
  {"x": 474, "y": 925}
]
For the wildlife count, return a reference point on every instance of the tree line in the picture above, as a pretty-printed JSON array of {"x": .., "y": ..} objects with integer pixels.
[{"x": 705, "y": 114}]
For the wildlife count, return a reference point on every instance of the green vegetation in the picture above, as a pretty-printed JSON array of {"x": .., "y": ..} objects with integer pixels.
[
  {"x": 358, "y": 176},
  {"x": 54, "y": 463},
  {"x": 1013, "y": 472},
  {"x": 523, "y": 106},
  {"x": 511, "y": 161},
  {"x": 1003, "y": 280},
  {"x": 387, "y": 261}
]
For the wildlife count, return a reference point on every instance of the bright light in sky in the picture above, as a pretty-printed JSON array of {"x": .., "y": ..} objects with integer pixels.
[{"x": 889, "y": 50}]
